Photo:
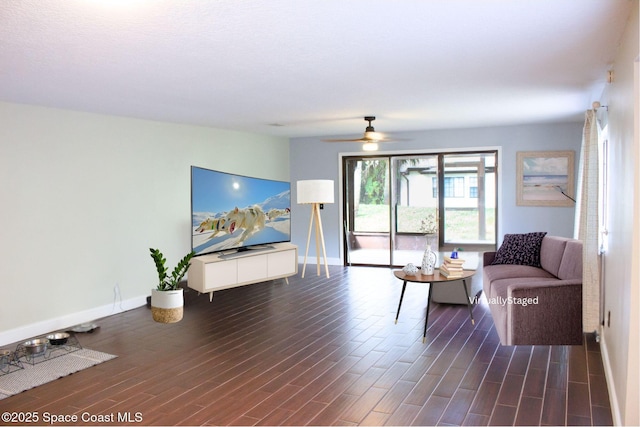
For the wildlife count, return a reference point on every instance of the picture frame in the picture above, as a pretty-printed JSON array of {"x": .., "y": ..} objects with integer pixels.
[{"x": 545, "y": 178}]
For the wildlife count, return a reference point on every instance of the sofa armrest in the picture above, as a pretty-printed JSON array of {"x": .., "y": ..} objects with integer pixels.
[
  {"x": 487, "y": 258},
  {"x": 545, "y": 314}
]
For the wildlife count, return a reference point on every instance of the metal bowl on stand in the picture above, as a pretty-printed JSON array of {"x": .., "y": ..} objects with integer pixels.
[
  {"x": 59, "y": 338},
  {"x": 36, "y": 346},
  {"x": 5, "y": 358}
]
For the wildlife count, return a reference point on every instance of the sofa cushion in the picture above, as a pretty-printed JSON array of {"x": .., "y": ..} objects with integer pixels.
[
  {"x": 571, "y": 264},
  {"x": 508, "y": 271},
  {"x": 520, "y": 249},
  {"x": 551, "y": 251}
]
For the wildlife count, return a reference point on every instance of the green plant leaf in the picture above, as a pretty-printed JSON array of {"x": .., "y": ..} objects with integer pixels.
[{"x": 165, "y": 282}]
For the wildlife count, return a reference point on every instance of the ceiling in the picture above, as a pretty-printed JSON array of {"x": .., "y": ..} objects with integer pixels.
[{"x": 312, "y": 68}]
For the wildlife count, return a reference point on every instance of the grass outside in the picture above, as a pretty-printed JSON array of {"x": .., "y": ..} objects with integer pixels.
[{"x": 461, "y": 224}]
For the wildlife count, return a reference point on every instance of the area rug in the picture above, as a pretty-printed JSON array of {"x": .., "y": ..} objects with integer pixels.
[{"x": 46, "y": 371}]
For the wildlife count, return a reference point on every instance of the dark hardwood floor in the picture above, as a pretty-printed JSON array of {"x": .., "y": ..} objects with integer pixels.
[{"x": 324, "y": 351}]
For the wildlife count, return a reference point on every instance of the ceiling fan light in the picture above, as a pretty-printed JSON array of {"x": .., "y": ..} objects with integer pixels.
[
  {"x": 370, "y": 146},
  {"x": 373, "y": 136}
]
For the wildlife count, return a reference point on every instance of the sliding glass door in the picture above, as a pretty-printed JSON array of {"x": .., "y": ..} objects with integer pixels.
[
  {"x": 391, "y": 202},
  {"x": 469, "y": 201},
  {"x": 366, "y": 210},
  {"x": 415, "y": 206}
]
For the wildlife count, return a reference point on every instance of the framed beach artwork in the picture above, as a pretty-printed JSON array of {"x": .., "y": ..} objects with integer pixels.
[{"x": 545, "y": 178}]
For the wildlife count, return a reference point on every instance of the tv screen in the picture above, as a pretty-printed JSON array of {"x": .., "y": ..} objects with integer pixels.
[{"x": 231, "y": 211}]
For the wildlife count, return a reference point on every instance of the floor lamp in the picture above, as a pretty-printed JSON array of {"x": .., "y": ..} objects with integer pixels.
[{"x": 315, "y": 192}]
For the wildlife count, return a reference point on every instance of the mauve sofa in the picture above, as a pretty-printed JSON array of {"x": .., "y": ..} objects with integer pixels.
[{"x": 538, "y": 305}]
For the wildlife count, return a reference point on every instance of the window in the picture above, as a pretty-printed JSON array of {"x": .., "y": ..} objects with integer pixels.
[
  {"x": 473, "y": 187},
  {"x": 454, "y": 186}
]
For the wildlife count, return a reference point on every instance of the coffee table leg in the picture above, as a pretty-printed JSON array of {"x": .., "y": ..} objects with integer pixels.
[
  {"x": 464, "y": 285},
  {"x": 404, "y": 286},
  {"x": 426, "y": 317}
]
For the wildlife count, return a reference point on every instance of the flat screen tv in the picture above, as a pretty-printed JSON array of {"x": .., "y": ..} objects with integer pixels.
[{"x": 234, "y": 213}]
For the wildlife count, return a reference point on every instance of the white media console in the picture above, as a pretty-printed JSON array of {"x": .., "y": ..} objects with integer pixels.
[{"x": 209, "y": 273}]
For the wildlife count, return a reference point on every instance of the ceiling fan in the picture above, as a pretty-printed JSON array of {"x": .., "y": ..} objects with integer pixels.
[{"x": 370, "y": 138}]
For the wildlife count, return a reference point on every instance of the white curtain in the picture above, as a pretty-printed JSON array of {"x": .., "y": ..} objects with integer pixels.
[{"x": 587, "y": 222}]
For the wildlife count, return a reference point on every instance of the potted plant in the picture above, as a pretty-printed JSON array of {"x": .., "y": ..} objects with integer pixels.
[{"x": 167, "y": 300}]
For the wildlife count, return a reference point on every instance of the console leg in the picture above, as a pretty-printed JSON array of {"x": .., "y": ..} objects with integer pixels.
[{"x": 210, "y": 296}]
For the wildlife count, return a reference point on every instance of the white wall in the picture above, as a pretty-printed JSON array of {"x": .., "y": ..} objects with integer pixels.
[
  {"x": 620, "y": 343},
  {"x": 313, "y": 159},
  {"x": 84, "y": 196}
]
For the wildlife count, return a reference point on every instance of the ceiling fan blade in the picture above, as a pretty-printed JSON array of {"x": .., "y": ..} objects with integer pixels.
[
  {"x": 345, "y": 140},
  {"x": 370, "y": 135},
  {"x": 364, "y": 139}
]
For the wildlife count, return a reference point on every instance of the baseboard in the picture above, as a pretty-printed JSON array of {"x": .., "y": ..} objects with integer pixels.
[
  {"x": 60, "y": 323},
  {"x": 608, "y": 373},
  {"x": 313, "y": 260}
]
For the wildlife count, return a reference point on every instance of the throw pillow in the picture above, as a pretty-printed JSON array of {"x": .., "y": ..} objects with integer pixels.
[{"x": 521, "y": 249}]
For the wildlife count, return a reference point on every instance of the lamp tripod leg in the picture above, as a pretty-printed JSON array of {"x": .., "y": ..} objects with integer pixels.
[
  {"x": 304, "y": 267},
  {"x": 316, "y": 215},
  {"x": 324, "y": 251}
]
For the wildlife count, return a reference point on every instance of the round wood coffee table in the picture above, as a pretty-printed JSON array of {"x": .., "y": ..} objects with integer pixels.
[{"x": 436, "y": 277}]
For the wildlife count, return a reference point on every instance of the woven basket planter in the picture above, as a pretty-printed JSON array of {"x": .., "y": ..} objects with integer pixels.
[{"x": 167, "y": 306}]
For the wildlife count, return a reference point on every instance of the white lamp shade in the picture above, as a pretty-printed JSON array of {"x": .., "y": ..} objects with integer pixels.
[{"x": 315, "y": 191}]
